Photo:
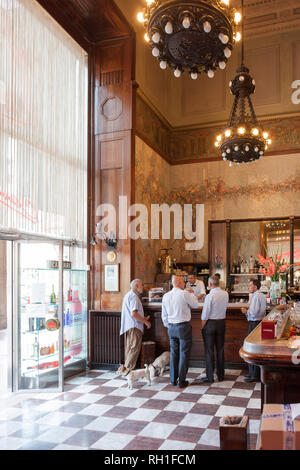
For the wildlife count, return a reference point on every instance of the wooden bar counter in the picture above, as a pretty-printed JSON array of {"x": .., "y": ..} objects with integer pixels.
[
  {"x": 236, "y": 331},
  {"x": 106, "y": 347},
  {"x": 279, "y": 376}
]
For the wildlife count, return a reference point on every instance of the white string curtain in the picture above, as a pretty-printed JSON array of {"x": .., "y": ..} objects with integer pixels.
[{"x": 43, "y": 124}]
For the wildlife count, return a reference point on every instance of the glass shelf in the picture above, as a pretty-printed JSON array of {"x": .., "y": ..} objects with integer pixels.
[{"x": 247, "y": 274}]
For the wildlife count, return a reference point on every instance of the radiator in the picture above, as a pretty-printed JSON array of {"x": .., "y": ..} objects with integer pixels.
[{"x": 106, "y": 344}]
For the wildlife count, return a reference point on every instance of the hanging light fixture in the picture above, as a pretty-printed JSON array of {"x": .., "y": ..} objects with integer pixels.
[
  {"x": 194, "y": 35},
  {"x": 243, "y": 140}
]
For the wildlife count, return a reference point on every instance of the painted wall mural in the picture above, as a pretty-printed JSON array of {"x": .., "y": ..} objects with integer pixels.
[
  {"x": 269, "y": 188},
  {"x": 217, "y": 190}
]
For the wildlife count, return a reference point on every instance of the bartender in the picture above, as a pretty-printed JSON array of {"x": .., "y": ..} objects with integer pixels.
[{"x": 195, "y": 286}]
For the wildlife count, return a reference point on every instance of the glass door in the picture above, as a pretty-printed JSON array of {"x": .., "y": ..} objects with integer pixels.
[
  {"x": 75, "y": 310},
  {"x": 38, "y": 302},
  {"x": 5, "y": 317}
]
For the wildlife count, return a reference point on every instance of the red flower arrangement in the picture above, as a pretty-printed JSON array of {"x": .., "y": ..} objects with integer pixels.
[{"x": 274, "y": 266}]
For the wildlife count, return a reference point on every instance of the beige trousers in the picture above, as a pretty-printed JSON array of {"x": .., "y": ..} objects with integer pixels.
[{"x": 133, "y": 347}]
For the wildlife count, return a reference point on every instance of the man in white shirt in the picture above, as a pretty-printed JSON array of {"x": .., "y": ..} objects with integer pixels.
[
  {"x": 132, "y": 323},
  {"x": 176, "y": 316},
  {"x": 213, "y": 329},
  {"x": 195, "y": 286},
  {"x": 255, "y": 313}
]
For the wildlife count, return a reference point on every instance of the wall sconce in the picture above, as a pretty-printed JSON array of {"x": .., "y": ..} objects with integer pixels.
[{"x": 111, "y": 241}]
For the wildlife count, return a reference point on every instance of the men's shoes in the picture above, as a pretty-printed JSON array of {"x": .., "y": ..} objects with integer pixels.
[
  {"x": 206, "y": 380},
  {"x": 246, "y": 376},
  {"x": 251, "y": 379},
  {"x": 183, "y": 384},
  {"x": 174, "y": 383}
]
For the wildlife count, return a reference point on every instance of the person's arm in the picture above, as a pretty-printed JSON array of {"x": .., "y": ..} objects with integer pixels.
[
  {"x": 164, "y": 314},
  {"x": 191, "y": 299},
  {"x": 135, "y": 314},
  {"x": 134, "y": 309},
  {"x": 206, "y": 310}
]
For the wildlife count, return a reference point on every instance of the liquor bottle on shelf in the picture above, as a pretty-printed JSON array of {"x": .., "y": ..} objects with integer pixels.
[
  {"x": 246, "y": 264},
  {"x": 242, "y": 268},
  {"x": 53, "y": 296},
  {"x": 70, "y": 295},
  {"x": 251, "y": 264},
  {"x": 35, "y": 348}
]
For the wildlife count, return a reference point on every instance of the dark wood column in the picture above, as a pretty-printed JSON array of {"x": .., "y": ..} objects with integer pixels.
[
  {"x": 228, "y": 252},
  {"x": 112, "y": 174},
  {"x": 292, "y": 221},
  {"x": 102, "y": 30}
]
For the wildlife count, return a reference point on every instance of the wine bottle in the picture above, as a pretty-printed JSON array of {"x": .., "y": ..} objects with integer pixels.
[
  {"x": 35, "y": 347},
  {"x": 53, "y": 296}
]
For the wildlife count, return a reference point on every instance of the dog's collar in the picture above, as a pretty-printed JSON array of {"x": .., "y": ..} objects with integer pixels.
[{"x": 153, "y": 366}]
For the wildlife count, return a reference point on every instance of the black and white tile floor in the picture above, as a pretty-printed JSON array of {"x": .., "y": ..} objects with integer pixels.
[{"x": 98, "y": 411}]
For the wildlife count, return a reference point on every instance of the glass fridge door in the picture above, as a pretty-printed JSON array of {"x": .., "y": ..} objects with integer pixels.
[
  {"x": 75, "y": 310},
  {"x": 75, "y": 320},
  {"x": 39, "y": 316}
]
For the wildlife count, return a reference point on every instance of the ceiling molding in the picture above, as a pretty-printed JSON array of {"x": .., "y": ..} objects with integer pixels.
[{"x": 195, "y": 144}]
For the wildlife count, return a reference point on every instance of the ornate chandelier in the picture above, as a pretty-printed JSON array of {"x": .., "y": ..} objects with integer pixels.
[
  {"x": 243, "y": 140},
  {"x": 194, "y": 35}
]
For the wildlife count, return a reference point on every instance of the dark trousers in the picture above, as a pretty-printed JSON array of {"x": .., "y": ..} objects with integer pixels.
[
  {"x": 254, "y": 371},
  {"x": 180, "y": 336},
  {"x": 214, "y": 337}
]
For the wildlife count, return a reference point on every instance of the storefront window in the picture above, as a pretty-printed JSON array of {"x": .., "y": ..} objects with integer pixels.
[{"x": 43, "y": 124}]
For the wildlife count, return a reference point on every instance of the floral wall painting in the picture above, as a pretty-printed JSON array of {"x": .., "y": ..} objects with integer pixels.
[{"x": 269, "y": 188}]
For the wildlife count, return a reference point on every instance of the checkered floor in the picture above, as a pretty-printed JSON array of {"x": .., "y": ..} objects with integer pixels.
[{"x": 98, "y": 411}]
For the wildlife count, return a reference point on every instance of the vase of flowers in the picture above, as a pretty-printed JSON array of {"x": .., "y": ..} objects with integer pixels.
[{"x": 274, "y": 267}]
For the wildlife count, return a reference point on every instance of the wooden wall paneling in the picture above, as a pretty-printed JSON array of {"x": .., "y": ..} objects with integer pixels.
[
  {"x": 114, "y": 88},
  {"x": 113, "y": 171}
]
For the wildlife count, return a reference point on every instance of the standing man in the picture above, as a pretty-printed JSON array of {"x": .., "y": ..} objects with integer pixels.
[
  {"x": 132, "y": 323},
  {"x": 255, "y": 313},
  {"x": 213, "y": 328},
  {"x": 195, "y": 286},
  {"x": 176, "y": 316}
]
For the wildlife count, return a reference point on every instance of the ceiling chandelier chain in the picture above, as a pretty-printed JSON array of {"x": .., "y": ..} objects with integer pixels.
[
  {"x": 243, "y": 140},
  {"x": 193, "y": 35}
]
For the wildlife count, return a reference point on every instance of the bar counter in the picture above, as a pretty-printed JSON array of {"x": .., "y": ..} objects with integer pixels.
[
  {"x": 236, "y": 331},
  {"x": 279, "y": 376},
  {"x": 106, "y": 346}
]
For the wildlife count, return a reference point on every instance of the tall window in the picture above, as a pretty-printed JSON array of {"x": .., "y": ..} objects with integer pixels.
[{"x": 43, "y": 124}]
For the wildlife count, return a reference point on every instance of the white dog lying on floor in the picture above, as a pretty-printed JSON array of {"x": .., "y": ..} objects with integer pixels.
[
  {"x": 159, "y": 365},
  {"x": 137, "y": 374}
]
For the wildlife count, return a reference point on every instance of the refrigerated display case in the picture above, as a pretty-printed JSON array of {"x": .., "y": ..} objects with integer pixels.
[{"x": 51, "y": 326}]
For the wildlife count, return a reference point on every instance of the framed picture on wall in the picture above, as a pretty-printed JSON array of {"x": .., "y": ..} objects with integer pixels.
[{"x": 111, "y": 277}]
